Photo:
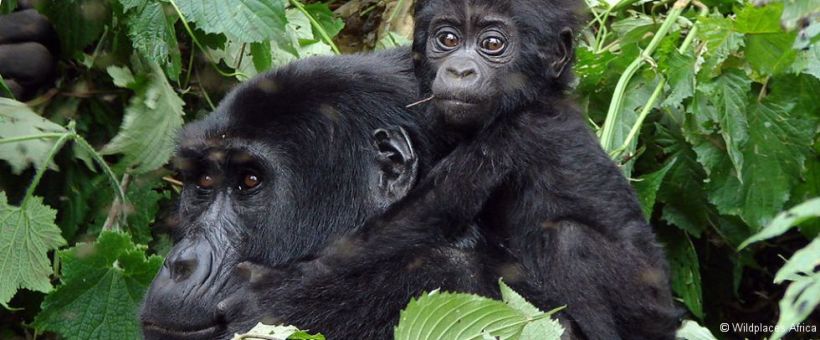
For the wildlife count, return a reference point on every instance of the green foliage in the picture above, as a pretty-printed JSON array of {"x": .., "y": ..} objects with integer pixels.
[
  {"x": 27, "y": 232},
  {"x": 103, "y": 287},
  {"x": 457, "y": 316},
  {"x": 151, "y": 120},
  {"x": 263, "y": 331},
  {"x": 18, "y": 121}
]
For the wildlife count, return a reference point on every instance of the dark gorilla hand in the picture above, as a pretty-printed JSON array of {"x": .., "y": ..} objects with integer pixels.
[{"x": 27, "y": 47}]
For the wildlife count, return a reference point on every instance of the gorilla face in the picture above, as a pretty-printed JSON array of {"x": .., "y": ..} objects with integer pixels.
[
  {"x": 480, "y": 58},
  {"x": 286, "y": 163}
]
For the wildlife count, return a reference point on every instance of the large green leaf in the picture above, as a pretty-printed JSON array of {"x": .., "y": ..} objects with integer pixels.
[
  {"x": 103, "y": 285},
  {"x": 17, "y": 120},
  {"x": 727, "y": 98},
  {"x": 685, "y": 266},
  {"x": 721, "y": 42},
  {"x": 754, "y": 19},
  {"x": 152, "y": 33},
  {"x": 240, "y": 20},
  {"x": 770, "y": 53},
  {"x": 647, "y": 188},
  {"x": 773, "y": 163},
  {"x": 803, "y": 294},
  {"x": 27, "y": 233},
  {"x": 464, "y": 316},
  {"x": 784, "y": 221},
  {"x": 152, "y": 118}
]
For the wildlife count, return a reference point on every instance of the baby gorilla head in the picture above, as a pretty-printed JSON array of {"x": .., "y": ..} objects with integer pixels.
[{"x": 481, "y": 58}]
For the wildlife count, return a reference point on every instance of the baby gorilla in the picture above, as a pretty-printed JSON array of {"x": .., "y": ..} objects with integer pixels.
[{"x": 527, "y": 168}]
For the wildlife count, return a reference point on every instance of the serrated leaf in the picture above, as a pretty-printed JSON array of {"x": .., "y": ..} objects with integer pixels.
[
  {"x": 685, "y": 202},
  {"x": 27, "y": 233},
  {"x": 459, "y": 316},
  {"x": 152, "y": 33},
  {"x": 773, "y": 162},
  {"x": 771, "y": 53},
  {"x": 152, "y": 117},
  {"x": 103, "y": 285},
  {"x": 17, "y": 120},
  {"x": 785, "y": 220},
  {"x": 277, "y": 332},
  {"x": 242, "y": 21},
  {"x": 803, "y": 295},
  {"x": 647, "y": 187},
  {"x": 728, "y": 94},
  {"x": 680, "y": 75},
  {"x": 685, "y": 266},
  {"x": 721, "y": 41},
  {"x": 755, "y": 19},
  {"x": 515, "y": 300}
]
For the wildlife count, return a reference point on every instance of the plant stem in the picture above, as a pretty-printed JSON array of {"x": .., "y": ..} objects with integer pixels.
[
  {"x": 614, "y": 112},
  {"x": 30, "y": 137},
  {"x": 633, "y": 133},
  {"x": 117, "y": 213},
  {"x": 42, "y": 170},
  {"x": 112, "y": 177},
  {"x": 316, "y": 25}
]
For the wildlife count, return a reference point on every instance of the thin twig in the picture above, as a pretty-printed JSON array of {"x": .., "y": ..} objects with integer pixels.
[
  {"x": 420, "y": 102},
  {"x": 117, "y": 212}
]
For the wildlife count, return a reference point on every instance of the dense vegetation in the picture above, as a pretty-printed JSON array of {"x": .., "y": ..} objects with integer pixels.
[{"x": 709, "y": 106}]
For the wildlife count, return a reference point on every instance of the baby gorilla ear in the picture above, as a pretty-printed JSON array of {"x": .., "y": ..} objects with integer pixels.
[
  {"x": 564, "y": 53},
  {"x": 398, "y": 163}
]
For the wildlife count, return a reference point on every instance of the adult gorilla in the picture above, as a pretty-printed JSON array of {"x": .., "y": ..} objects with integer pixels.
[{"x": 288, "y": 162}]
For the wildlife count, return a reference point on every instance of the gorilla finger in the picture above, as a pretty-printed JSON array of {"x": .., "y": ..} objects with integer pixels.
[
  {"x": 29, "y": 63},
  {"x": 27, "y": 26}
]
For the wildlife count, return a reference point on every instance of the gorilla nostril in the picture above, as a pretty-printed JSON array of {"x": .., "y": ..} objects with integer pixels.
[
  {"x": 461, "y": 72},
  {"x": 182, "y": 269}
]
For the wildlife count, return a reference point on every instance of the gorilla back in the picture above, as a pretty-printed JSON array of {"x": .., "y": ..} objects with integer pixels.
[{"x": 284, "y": 164}]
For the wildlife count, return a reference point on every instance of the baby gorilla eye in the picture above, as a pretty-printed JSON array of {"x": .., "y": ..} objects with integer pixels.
[
  {"x": 250, "y": 181},
  {"x": 205, "y": 182},
  {"x": 493, "y": 45},
  {"x": 448, "y": 40}
]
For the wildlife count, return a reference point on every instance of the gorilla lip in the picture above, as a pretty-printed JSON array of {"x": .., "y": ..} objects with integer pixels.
[{"x": 197, "y": 333}]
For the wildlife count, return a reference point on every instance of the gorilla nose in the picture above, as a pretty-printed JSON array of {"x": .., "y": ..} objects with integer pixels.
[
  {"x": 463, "y": 69},
  {"x": 189, "y": 262}
]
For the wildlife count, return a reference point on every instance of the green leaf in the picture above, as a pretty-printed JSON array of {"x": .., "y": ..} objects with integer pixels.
[
  {"x": 460, "y": 316},
  {"x": 727, "y": 98},
  {"x": 647, "y": 187},
  {"x": 770, "y": 54},
  {"x": 754, "y": 19},
  {"x": 516, "y": 301},
  {"x": 691, "y": 330},
  {"x": 776, "y": 151},
  {"x": 103, "y": 285},
  {"x": 27, "y": 233},
  {"x": 278, "y": 332},
  {"x": 242, "y": 21},
  {"x": 79, "y": 22},
  {"x": 721, "y": 42},
  {"x": 803, "y": 294},
  {"x": 262, "y": 57},
  {"x": 152, "y": 33},
  {"x": 680, "y": 73},
  {"x": 18, "y": 120},
  {"x": 685, "y": 266},
  {"x": 153, "y": 116},
  {"x": 326, "y": 19},
  {"x": 785, "y": 220},
  {"x": 684, "y": 200}
]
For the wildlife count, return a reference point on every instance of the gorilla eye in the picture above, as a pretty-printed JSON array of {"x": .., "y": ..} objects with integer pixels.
[
  {"x": 493, "y": 45},
  {"x": 448, "y": 40},
  {"x": 250, "y": 181},
  {"x": 205, "y": 182}
]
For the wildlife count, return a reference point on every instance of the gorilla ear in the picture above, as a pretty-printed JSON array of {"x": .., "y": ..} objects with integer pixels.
[
  {"x": 398, "y": 163},
  {"x": 564, "y": 53}
]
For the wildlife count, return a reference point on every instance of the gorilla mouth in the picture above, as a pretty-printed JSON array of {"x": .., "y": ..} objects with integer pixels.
[{"x": 162, "y": 332}]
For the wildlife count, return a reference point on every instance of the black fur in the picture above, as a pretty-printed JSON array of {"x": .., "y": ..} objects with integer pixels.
[
  {"x": 306, "y": 131},
  {"x": 534, "y": 176}
]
